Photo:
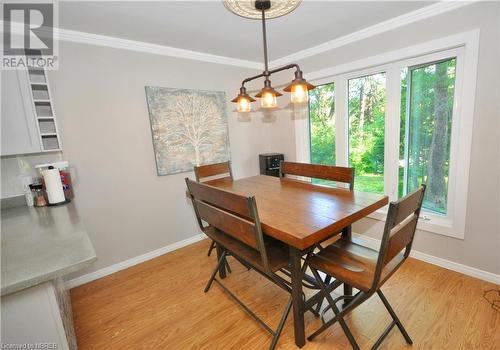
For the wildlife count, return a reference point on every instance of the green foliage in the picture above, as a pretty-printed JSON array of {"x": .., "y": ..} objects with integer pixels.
[
  {"x": 429, "y": 105},
  {"x": 322, "y": 124},
  {"x": 366, "y": 131}
]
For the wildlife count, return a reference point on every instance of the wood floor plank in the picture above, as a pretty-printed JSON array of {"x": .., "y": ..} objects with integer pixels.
[{"x": 160, "y": 304}]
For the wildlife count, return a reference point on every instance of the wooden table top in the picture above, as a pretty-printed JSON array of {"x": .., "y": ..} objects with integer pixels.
[{"x": 300, "y": 213}]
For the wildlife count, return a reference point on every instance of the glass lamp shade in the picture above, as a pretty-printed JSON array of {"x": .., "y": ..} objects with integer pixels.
[
  {"x": 268, "y": 100},
  {"x": 299, "y": 94},
  {"x": 268, "y": 97},
  {"x": 299, "y": 88},
  {"x": 244, "y": 105},
  {"x": 243, "y": 101}
]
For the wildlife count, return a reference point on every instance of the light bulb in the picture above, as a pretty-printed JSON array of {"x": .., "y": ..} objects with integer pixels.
[
  {"x": 244, "y": 105},
  {"x": 299, "y": 94},
  {"x": 268, "y": 100}
]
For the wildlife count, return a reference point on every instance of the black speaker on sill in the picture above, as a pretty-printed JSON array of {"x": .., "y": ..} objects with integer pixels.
[{"x": 270, "y": 163}]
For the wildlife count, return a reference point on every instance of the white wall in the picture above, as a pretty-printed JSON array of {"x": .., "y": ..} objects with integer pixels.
[
  {"x": 481, "y": 246},
  {"x": 103, "y": 119}
]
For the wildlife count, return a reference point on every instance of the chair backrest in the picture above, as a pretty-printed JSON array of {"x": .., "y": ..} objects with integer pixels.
[
  {"x": 211, "y": 171},
  {"x": 399, "y": 231},
  {"x": 230, "y": 213},
  {"x": 318, "y": 171}
]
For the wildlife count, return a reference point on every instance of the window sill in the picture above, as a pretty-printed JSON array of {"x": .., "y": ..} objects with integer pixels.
[{"x": 433, "y": 223}]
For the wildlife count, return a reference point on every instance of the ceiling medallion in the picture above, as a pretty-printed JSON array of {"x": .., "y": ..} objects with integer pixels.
[{"x": 247, "y": 9}]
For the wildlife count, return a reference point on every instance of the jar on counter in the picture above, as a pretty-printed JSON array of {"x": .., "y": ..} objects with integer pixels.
[{"x": 38, "y": 195}]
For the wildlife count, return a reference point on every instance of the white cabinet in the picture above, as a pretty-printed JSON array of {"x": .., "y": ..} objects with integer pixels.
[
  {"x": 38, "y": 315},
  {"x": 28, "y": 123},
  {"x": 19, "y": 129}
]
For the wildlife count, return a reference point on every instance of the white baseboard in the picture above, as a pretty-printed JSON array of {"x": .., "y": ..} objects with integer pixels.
[
  {"x": 108, "y": 270},
  {"x": 434, "y": 260},
  {"x": 365, "y": 240}
]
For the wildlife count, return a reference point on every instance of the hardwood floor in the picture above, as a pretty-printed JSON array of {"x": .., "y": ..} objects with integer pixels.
[{"x": 160, "y": 304}]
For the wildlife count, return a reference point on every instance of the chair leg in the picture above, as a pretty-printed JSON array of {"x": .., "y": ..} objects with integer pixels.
[
  {"x": 212, "y": 247},
  {"x": 227, "y": 266},
  {"x": 277, "y": 333},
  {"x": 394, "y": 317},
  {"x": 281, "y": 324},
  {"x": 212, "y": 277},
  {"x": 243, "y": 263},
  {"x": 248, "y": 267},
  {"x": 382, "y": 337},
  {"x": 336, "y": 311},
  {"x": 320, "y": 302}
]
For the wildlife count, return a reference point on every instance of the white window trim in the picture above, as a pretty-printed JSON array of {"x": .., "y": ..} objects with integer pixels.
[{"x": 465, "y": 46}]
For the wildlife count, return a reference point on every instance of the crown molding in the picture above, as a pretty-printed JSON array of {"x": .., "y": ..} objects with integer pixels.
[
  {"x": 126, "y": 44},
  {"x": 139, "y": 46},
  {"x": 469, "y": 39},
  {"x": 379, "y": 28}
]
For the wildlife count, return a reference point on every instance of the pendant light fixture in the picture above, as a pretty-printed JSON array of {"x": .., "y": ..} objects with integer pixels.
[
  {"x": 299, "y": 87},
  {"x": 243, "y": 100}
]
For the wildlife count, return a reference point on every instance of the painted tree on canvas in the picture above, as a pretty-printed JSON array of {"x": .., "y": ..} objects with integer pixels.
[
  {"x": 194, "y": 119},
  {"x": 189, "y": 128}
]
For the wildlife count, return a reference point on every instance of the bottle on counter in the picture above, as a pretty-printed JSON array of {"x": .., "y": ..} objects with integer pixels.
[
  {"x": 38, "y": 195},
  {"x": 28, "y": 195}
]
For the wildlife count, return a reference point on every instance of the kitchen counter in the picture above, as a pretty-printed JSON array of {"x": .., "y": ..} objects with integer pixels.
[{"x": 41, "y": 244}]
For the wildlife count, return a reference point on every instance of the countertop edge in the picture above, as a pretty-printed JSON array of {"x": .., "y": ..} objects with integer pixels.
[{"x": 18, "y": 286}]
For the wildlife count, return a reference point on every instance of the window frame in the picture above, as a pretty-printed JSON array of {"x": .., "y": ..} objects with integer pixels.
[{"x": 464, "y": 47}]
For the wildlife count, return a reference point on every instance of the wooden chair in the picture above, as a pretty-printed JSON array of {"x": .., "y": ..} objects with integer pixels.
[
  {"x": 324, "y": 172},
  {"x": 318, "y": 171},
  {"x": 234, "y": 225},
  {"x": 214, "y": 171},
  {"x": 209, "y": 172},
  {"x": 366, "y": 269}
]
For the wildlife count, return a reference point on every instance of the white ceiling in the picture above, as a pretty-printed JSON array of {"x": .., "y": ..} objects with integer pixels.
[{"x": 208, "y": 27}]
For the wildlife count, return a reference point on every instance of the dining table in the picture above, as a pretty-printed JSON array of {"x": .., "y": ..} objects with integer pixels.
[{"x": 302, "y": 214}]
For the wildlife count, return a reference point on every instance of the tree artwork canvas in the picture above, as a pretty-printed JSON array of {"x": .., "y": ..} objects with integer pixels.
[{"x": 189, "y": 127}]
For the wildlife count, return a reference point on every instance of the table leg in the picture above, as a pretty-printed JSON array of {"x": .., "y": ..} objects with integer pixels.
[
  {"x": 347, "y": 232},
  {"x": 298, "y": 303},
  {"x": 222, "y": 267}
]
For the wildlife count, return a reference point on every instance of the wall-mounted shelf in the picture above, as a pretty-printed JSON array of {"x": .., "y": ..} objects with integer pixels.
[
  {"x": 50, "y": 142},
  {"x": 37, "y": 76},
  {"x": 44, "y": 109},
  {"x": 29, "y": 124}
]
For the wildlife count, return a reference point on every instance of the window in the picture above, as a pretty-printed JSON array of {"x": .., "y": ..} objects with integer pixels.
[
  {"x": 322, "y": 124},
  {"x": 426, "y": 131},
  {"x": 366, "y": 103},
  {"x": 400, "y": 122}
]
